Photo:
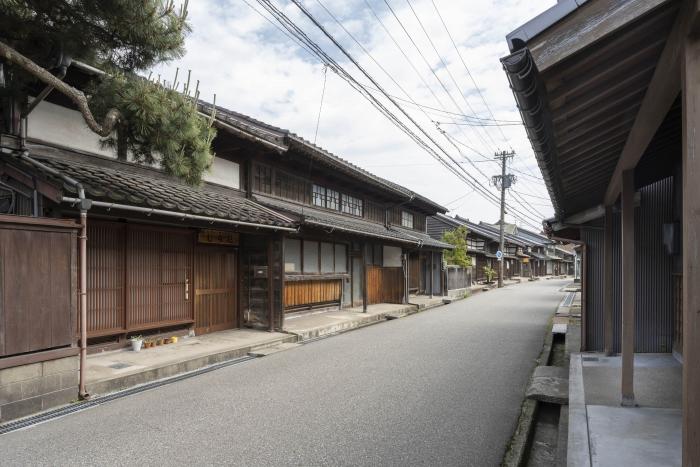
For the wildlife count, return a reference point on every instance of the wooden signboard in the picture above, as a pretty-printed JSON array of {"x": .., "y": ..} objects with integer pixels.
[{"x": 218, "y": 237}]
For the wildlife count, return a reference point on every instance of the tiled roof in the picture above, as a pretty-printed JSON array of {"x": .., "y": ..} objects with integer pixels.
[
  {"x": 126, "y": 183},
  {"x": 283, "y": 139},
  {"x": 326, "y": 219}
]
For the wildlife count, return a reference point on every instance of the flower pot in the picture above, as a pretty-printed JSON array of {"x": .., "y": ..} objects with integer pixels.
[
  {"x": 159, "y": 341},
  {"x": 173, "y": 339},
  {"x": 136, "y": 344}
]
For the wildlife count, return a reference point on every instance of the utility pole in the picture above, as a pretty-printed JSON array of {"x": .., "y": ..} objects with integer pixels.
[{"x": 503, "y": 181}]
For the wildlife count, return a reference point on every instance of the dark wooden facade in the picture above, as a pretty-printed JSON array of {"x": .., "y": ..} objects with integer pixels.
[{"x": 38, "y": 283}]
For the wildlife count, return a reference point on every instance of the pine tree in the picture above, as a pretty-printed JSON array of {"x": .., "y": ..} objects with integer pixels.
[{"x": 153, "y": 122}]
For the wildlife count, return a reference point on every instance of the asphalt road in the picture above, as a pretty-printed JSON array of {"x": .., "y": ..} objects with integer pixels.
[{"x": 443, "y": 387}]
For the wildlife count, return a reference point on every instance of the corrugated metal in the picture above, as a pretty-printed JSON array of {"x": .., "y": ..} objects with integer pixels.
[
  {"x": 654, "y": 301},
  {"x": 593, "y": 238},
  {"x": 654, "y": 320}
]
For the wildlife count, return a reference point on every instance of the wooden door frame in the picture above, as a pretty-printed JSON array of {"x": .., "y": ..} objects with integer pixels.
[{"x": 235, "y": 322}]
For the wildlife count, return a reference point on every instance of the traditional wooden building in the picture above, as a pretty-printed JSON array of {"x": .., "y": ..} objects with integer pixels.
[
  {"x": 608, "y": 92},
  {"x": 102, "y": 248},
  {"x": 362, "y": 239},
  {"x": 483, "y": 241}
]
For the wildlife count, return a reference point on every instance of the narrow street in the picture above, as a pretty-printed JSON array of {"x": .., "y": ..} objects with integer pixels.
[{"x": 443, "y": 387}]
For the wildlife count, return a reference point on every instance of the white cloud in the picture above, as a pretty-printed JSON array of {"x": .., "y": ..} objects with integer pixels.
[{"x": 255, "y": 69}]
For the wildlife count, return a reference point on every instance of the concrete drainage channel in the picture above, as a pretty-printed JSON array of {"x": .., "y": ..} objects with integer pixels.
[{"x": 540, "y": 438}]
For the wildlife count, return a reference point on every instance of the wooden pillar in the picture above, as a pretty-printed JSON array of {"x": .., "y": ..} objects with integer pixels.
[
  {"x": 628, "y": 291},
  {"x": 270, "y": 291},
  {"x": 364, "y": 278},
  {"x": 690, "y": 76},
  {"x": 432, "y": 274},
  {"x": 608, "y": 281}
]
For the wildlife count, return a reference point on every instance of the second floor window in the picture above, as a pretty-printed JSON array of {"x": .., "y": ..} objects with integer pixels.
[
  {"x": 262, "y": 178},
  {"x": 407, "y": 219},
  {"x": 352, "y": 205},
  {"x": 319, "y": 198},
  {"x": 333, "y": 199}
]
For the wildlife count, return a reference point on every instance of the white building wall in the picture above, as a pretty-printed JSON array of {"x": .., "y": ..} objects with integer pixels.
[{"x": 65, "y": 127}]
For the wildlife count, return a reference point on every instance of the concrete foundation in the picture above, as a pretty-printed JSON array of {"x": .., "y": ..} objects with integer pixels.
[{"x": 28, "y": 389}]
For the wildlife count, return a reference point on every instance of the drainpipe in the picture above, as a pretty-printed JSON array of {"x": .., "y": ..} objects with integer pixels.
[{"x": 84, "y": 206}]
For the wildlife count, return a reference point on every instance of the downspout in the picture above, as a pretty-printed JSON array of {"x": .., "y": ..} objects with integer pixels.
[{"x": 82, "y": 241}]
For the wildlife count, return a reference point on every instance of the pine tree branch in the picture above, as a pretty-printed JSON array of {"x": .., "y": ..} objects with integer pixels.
[{"x": 10, "y": 55}]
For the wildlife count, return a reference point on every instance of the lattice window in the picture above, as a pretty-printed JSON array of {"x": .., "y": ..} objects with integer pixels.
[
  {"x": 352, "y": 205},
  {"x": 262, "y": 178},
  {"x": 406, "y": 219}
]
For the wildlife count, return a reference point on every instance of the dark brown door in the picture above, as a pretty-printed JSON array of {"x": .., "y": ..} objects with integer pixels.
[{"x": 214, "y": 289}]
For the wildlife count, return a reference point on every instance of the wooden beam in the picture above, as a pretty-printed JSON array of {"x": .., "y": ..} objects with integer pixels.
[
  {"x": 662, "y": 91},
  {"x": 628, "y": 289},
  {"x": 608, "y": 281},
  {"x": 691, "y": 251},
  {"x": 589, "y": 24}
]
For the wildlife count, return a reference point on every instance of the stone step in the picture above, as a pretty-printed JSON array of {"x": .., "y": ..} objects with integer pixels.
[{"x": 549, "y": 384}]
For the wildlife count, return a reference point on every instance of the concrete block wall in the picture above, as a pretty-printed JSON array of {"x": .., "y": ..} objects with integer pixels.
[{"x": 27, "y": 389}]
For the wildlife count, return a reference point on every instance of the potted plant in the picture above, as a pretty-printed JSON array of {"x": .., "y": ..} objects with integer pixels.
[
  {"x": 136, "y": 343},
  {"x": 159, "y": 341}
]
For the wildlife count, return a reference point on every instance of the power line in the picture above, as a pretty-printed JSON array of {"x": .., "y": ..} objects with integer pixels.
[{"x": 320, "y": 53}]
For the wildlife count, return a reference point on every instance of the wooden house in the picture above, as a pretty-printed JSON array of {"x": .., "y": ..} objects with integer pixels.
[
  {"x": 102, "y": 248},
  {"x": 608, "y": 93}
]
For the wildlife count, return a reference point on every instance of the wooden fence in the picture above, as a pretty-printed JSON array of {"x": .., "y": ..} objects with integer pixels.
[
  {"x": 384, "y": 285},
  {"x": 307, "y": 293},
  {"x": 38, "y": 282}
]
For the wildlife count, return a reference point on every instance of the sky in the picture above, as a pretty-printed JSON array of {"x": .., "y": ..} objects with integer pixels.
[{"x": 237, "y": 52}]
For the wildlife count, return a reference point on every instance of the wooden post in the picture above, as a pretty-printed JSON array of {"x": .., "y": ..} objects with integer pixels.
[
  {"x": 364, "y": 278},
  {"x": 432, "y": 273},
  {"x": 691, "y": 249},
  {"x": 270, "y": 291},
  {"x": 628, "y": 291},
  {"x": 608, "y": 281}
]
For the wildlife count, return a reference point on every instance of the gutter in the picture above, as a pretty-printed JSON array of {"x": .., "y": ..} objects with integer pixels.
[
  {"x": 519, "y": 37},
  {"x": 523, "y": 76},
  {"x": 179, "y": 215},
  {"x": 85, "y": 205}
]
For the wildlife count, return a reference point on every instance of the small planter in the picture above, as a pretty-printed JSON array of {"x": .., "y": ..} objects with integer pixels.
[
  {"x": 148, "y": 344},
  {"x": 159, "y": 341},
  {"x": 173, "y": 339},
  {"x": 136, "y": 344}
]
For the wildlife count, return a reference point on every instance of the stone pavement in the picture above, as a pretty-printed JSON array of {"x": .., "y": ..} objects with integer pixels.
[
  {"x": 120, "y": 369},
  {"x": 602, "y": 433}
]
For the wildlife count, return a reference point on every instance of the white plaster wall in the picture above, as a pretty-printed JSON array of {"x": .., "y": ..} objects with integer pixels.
[
  {"x": 392, "y": 256},
  {"x": 224, "y": 172},
  {"x": 60, "y": 125}
]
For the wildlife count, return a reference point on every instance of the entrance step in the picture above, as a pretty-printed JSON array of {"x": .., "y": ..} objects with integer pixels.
[{"x": 265, "y": 351}]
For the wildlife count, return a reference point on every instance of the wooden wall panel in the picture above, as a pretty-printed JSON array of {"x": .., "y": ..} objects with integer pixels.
[
  {"x": 105, "y": 278},
  {"x": 312, "y": 292},
  {"x": 214, "y": 289},
  {"x": 37, "y": 284},
  {"x": 384, "y": 285}
]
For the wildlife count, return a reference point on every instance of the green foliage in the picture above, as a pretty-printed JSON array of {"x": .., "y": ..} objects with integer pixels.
[
  {"x": 128, "y": 34},
  {"x": 159, "y": 125},
  {"x": 490, "y": 274},
  {"x": 459, "y": 255}
]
